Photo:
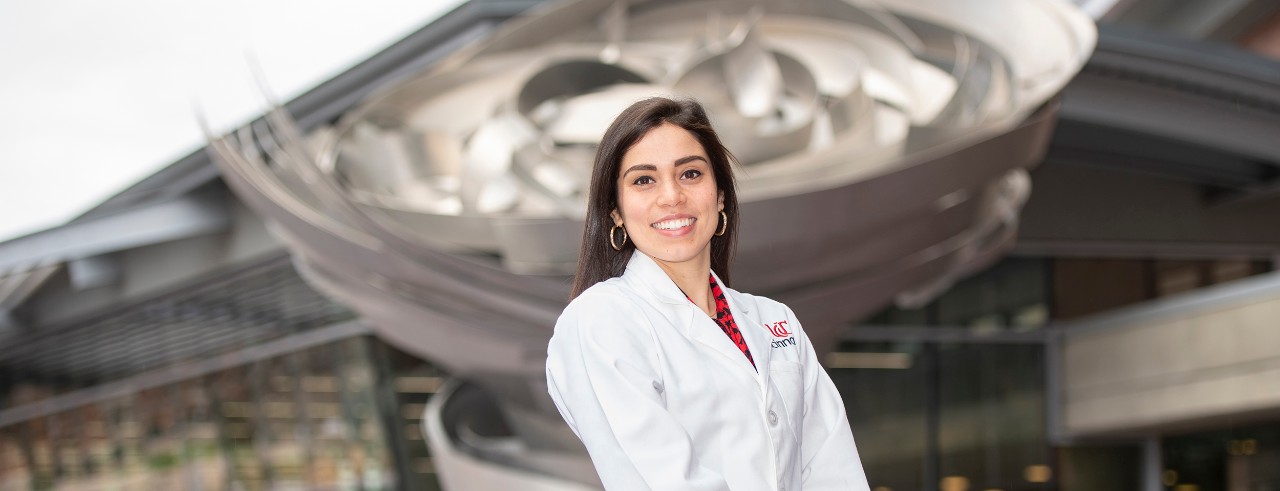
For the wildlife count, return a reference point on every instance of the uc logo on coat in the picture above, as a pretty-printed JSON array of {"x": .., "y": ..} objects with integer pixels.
[{"x": 779, "y": 329}]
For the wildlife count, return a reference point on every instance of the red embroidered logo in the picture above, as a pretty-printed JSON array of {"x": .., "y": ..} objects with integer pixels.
[{"x": 779, "y": 329}]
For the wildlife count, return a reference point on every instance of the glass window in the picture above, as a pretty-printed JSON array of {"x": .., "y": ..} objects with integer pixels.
[
  {"x": 1115, "y": 467},
  {"x": 1241, "y": 458},
  {"x": 887, "y": 410},
  {"x": 947, "y": 416},
  {"x": 991, "y": 429},
  {"x": 343, "y": 415},
  {"x": 1013, "y": 294}
]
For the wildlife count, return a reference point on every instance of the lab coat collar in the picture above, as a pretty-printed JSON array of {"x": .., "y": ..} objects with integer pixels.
[
  {"x": 651, "y": 278},
  {"x": 655, "y": 280}
]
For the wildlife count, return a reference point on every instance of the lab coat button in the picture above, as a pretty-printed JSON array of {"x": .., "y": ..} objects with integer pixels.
[
  {"x": 657, "y": 387},
  {"x": 773, "y": 418}
]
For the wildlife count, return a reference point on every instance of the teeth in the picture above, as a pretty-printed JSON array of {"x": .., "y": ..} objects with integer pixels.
[{"x": 673, "y": 224}]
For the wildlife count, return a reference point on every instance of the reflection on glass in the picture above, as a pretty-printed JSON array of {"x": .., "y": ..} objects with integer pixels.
[
  {"x": 947, "y": 415},
  {"x": 1013, "y": 294},
  {"x": 991, "y": 413},
  {"x": 1241, "y": 458},
  {"x": 413, "y": 382},
  {"x": 886, "y": 408},
  {"x": 304, "y": 420}
]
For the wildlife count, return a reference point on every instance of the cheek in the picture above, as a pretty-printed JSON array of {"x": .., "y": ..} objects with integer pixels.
[
  {"x": 709, "y": 196},
  {"x": 629, "y": 206}
]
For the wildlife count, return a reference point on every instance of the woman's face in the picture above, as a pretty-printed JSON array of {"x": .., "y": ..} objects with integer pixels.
[{"x": 667, "y": 196}]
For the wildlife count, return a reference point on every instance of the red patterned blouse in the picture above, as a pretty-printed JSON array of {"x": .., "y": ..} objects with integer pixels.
[{"x": 724, "y": 319}]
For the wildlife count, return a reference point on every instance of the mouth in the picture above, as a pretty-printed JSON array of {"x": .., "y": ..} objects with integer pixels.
[{"x": 674, "y": 224}]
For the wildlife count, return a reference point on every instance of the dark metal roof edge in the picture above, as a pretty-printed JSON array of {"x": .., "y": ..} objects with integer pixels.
[
  {"x": 1188, "y": 60},
  {"x": 202, "y": 282}
]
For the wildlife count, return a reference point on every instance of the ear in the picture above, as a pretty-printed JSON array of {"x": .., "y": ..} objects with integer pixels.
[
  {"x": 720, "y": 199},
  {"x": 617, "y": 217}
]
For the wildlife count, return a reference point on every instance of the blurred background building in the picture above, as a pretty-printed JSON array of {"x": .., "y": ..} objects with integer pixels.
[{"x": 1125, "y": 338}]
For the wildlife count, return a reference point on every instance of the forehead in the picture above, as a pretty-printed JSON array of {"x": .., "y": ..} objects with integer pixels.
[{"x": 662, "y": 146}]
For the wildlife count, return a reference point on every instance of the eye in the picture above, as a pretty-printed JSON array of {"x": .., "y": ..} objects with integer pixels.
[
  {"x": 691, "y": 174},
  {"x": 642, "y": 180}
]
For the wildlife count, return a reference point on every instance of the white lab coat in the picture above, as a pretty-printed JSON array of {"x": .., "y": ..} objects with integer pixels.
[{"x": 663, "y": 399}]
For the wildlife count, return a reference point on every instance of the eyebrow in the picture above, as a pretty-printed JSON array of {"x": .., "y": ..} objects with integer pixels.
[{"x": 680, "y": 161}]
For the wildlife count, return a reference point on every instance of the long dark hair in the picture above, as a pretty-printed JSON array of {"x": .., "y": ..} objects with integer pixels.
[{"x": 598, "y": 261}]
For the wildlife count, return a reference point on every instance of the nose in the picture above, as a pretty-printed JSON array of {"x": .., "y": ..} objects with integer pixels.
[{"x": 670, "y": 193}]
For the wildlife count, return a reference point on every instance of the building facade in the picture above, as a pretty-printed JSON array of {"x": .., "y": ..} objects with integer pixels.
[{"x": 1127, "y": 340}]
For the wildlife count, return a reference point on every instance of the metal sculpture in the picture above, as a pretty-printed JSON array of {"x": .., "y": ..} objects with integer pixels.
[{"x": 884, "y": 149}]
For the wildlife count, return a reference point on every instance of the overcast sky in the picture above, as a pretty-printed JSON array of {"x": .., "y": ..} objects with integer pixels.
[{"x": 95, "y": 96}]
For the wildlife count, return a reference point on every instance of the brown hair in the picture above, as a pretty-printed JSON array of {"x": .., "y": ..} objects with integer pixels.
[{"x": 597, "y": 260}]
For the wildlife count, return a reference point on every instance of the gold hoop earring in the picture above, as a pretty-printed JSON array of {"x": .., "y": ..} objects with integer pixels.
[
  {"x": 612, "y": 232},
  {"x": 724, "y": 224}
]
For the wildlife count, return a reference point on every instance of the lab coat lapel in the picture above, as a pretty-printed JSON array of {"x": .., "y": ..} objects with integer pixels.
[
  {"x": 695, "y": 324},
  {"x": 758, "y": 339},
  {"x": 705, "y": 330}
]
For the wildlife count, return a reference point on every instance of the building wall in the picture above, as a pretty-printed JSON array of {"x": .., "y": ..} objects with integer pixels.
[{"x": 1190, "y": 359}]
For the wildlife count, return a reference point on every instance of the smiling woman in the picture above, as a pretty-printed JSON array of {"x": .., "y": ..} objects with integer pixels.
[
  {"x": 670, "y": 207},
  {"x": 649, "y": 365},
  {"x": 646, "y": 144}
]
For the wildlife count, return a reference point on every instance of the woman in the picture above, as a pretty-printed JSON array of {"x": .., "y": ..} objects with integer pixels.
[{"x": 672, "y": 380}]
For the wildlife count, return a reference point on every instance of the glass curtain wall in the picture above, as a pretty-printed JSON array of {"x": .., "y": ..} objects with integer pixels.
[
  {"x": 952, "y": 408},
  {"x": 1242, "y": 458},
  {"x": 951, "y": 395},
  {"x": 341, "y": 415},
  {"x": 948, "y": 416}
]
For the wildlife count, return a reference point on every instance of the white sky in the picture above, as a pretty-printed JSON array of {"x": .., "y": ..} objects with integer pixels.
[{"x": 95, "y": 96}]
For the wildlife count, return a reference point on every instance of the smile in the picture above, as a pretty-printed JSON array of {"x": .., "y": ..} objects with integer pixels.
[{"x": 674, "y": 224}]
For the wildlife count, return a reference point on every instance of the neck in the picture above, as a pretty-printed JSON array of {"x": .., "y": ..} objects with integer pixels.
[{"x": 691, "y": 277}]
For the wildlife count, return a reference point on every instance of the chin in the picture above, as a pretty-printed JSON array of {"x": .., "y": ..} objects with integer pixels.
[
  {"x": 673, "y": 258},
  {"x": 676, "y": 254}
]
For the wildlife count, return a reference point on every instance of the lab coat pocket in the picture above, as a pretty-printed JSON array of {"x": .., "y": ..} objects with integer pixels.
[{"x": 788, "y": 380}]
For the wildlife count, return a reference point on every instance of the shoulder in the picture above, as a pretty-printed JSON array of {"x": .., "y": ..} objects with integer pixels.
[
  {"x": 602, "y": 298},
  {"x": 607, "y": 319},
  {"x": 607, "y": 306}
]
